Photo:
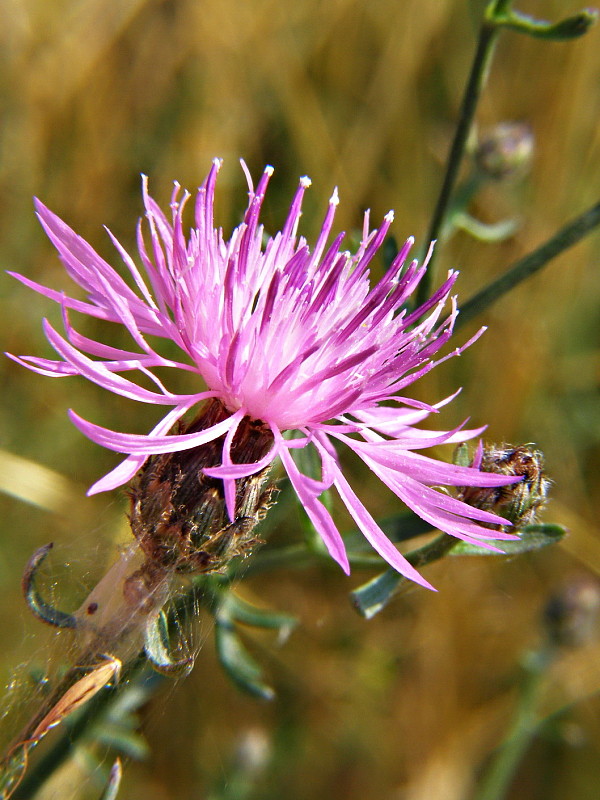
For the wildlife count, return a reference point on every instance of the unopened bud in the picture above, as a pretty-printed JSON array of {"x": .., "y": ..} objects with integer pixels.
[
  {"x": 178, "y": 514},
  {"x": 571, "y": 615},
  {"x": 517, "y": 502},
  {"x": 506, "y": 150}
]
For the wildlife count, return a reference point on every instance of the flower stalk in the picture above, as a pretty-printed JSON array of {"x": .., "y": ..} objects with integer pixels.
[
  {"x": 568, "y": 236},
  {"x": 180, "y": 521},
  {"x": 497, "y": 16},
  {"x": 484, "y": 52}
]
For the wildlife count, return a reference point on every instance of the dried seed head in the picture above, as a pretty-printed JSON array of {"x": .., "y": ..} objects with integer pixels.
[
  {"x": 178, "y": 514},
  {"x": 517, "y": 502}
]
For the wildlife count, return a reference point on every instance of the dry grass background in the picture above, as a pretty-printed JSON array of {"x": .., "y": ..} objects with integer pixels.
[{"x": 360, "y": 94}]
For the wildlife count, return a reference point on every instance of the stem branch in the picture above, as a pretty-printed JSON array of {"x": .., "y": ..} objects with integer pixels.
[
  {"x": 488, "y": 34},
  {"x": 521, "y": 732},
  {"x": 527, "y": 266}
]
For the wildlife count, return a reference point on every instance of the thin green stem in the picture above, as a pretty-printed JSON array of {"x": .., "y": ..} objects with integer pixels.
[
  {"x": 74, "y": 732},
  {"x": 527, "y": 266},
  {"x": 488, "y": 34},
  {"x": 433, "y": 551},
  {"x": 500, "y": 7},
  {"x": 521, "y": 732},
  {"x": 373, "y": 596},
  {"x": 291, "y": 556}
]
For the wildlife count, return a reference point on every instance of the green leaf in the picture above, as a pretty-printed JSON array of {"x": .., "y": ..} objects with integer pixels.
[
  {"x": 156, "y": 646},
  {"x": 373, "y": 596},
  {"x": 121, "y": 739},
  {"x": 399, "y": 528},
  {"x": 309, "y": 463},
  {"x": 36, "y": 603},
  {"x": 370, "y": 598},
  {"x": 238, "y": 610},
  {"x": 462, "y": 456},
  {"x": 531, "y": 537},
  {"x": 569, "y": 28},
  {"x": 237, "y": 661},
  {"x": 483, "y": 231}
]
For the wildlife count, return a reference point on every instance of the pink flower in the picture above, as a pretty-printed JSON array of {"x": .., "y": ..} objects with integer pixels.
[{"x": 279, "y": 332}]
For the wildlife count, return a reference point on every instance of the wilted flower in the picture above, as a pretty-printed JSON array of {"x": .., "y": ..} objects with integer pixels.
[{"x": 292, "y": 338}]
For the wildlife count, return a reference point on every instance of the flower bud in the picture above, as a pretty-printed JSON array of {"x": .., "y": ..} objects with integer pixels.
[
  {"x": 506, "y": 151},
  {"x": 517, "y": 502},
  {"x": 178, "y": 514}
]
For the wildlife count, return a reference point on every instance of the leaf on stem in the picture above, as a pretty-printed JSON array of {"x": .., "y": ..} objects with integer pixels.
[
  {"x": 36, "y": 603},
  {"x": 373, "y": 596},
  {"x": 233, "y": 655},
  {"x": 531, "y": 537},
  {"x": 566, "y": 29},
  {"x": 238, "y": 663},
  {"x": 157, "y": 649}
]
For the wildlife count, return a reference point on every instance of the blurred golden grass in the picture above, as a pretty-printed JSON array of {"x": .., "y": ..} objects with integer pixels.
[{"x": 362, "y": 95}]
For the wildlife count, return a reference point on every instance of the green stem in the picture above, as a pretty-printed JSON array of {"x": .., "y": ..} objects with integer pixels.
[
  {"x": 75, "y": 731},
  {"x": 566, "y": 237},
  {"x": 521, "y": 732},
  {"x": 291, "y": 556},
  {"x": 433, "y": 551},
  {"x": 500, "y": 7},
  {"x": 373, "y": 596},
  {"x": 488, "y": 34}
]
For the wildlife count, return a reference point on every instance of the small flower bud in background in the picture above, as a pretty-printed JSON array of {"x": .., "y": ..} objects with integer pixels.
[
  {"x": 506, "y": 150},
  {"x": 519, "y": 502},
  {"x": 571, "y": 615}
]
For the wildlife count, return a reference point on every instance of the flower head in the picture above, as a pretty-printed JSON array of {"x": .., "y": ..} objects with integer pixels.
[{"x": 292, "y": 336}]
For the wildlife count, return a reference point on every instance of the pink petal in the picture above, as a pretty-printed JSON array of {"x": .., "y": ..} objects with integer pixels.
[
  {"x": 317, "y": 513},
  {"x": 147, "y": 445}
]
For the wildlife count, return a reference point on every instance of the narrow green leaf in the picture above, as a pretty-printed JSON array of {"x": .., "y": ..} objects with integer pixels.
[
  {"x": 531, "y": 537},
  {"x": 483, "y": 231},
  {"x": 239, "y": 610},
  {"x": 36, "y": 603},
  {"x": 569, "y": 28},
  {"x": 309, "y": 463},
  {"x": 373, "y": 596},
  {"x": 156, "y": 646},
  {"x": 118, "y": 737},
  {"x": 238, "y": 663},
  {"x": 399, "y": 528},
  {"x": 462, "y": 456}
]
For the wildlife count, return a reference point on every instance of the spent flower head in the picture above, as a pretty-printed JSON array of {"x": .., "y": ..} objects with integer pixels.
[{"x": 290, "y": 337}]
